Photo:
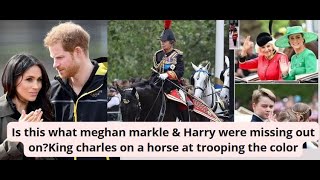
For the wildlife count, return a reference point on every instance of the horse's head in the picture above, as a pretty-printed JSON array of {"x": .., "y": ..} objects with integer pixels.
[
  {"x": 224, "y": 94},
  {"x": 200, "y": 79},
  {"x": 130, "y": 105}
]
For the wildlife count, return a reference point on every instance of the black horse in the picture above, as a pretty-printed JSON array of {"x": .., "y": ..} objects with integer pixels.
[{"x": 143, "y": 102}]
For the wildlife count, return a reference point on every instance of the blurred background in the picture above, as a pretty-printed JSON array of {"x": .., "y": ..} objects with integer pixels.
[
  {"x": 254, "y": 27},
  {"x": 27, "y": 36}
]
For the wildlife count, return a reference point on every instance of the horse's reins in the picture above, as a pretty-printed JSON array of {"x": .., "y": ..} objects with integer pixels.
[
  {"x": 154, "y": 102},
  {"x": 163, "y": 105},
  {"x": 163, "y": 93},
  {"x": 224, "y": 86},
  {"x": 206, "y": 86},
  {"x": 137, "y": 117},
  {"x": 175, "y": 84}
]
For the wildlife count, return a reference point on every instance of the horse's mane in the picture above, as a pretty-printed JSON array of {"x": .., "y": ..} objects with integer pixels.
[
  {"x": 140, "y": 83},
  {"x": 136, "y": 79}
]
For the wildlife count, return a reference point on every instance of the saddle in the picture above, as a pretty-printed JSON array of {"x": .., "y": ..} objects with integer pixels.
[
  {"x": 174, "y": 95},
  {"x": 199, "y": 106}
]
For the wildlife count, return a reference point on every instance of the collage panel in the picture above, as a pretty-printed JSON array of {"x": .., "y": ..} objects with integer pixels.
[
  {"x": 27, "y": 36},
  {"x": 275, "y": 51},
  {"x": 52, "y": 71},
  {"x": 28, "y": 49},
  {"x": 276, "y": 72},
  {"x": 234, "y": 31},
  {"x": 170, "y": 70},
  {"x": 269, "y": 101},
  {"x": 277, "y": 103}
]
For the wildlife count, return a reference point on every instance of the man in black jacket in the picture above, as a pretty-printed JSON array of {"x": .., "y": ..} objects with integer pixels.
[{"x": 79, "y": 92}]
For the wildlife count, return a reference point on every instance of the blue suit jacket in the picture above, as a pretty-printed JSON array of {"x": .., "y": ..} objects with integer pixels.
[{"x": 255, "y": 118}]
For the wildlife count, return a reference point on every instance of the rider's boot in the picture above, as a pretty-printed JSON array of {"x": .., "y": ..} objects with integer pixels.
[{"x": 185, "y": 115}]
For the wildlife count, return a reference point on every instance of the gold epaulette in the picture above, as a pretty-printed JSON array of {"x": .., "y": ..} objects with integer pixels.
[
  {"x": 178, "y": 51},
  {"x": 157, "y": 52},
  {"x": 155, "y": 56},
  {"x": 155, "y": 64}
]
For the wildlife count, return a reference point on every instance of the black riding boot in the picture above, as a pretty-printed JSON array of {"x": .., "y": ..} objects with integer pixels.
[{"x": 185, "y": 115}]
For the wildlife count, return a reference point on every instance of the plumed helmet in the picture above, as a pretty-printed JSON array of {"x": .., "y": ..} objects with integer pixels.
[{"x": 167, "y": 34}]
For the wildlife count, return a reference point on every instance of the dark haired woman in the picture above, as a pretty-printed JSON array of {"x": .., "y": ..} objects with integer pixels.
[{"x": 26, "y": 98}]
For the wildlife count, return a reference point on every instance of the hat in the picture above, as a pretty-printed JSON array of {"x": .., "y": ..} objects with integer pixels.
[
  {"x": 263, "y": 38},
  {"x": 167, "y": 34},
  {"x": 257, "y": 47},
  {"x": 283, "y": 41}
]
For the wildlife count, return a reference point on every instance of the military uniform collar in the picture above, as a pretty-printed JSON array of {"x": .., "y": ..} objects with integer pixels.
[{"x": 256, "y": 118}]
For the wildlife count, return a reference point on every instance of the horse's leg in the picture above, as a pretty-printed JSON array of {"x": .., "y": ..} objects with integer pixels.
[
  {"x": 172, "y": 111},
  {"x": 179, "y": 111}
]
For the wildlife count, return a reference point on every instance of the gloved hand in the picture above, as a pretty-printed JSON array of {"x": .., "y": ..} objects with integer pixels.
[{"x": 163, "y": 76}]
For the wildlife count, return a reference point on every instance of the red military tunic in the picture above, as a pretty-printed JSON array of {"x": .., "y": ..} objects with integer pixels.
[{"x": 268, "y": 69}]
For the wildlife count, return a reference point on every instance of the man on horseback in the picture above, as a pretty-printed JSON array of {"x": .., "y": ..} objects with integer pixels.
[{"x": 168, "y": 64}]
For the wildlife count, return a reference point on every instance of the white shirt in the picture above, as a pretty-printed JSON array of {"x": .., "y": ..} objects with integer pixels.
[{"x": 114, "y": 101}]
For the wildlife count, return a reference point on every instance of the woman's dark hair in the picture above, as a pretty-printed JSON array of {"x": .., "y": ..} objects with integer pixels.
[
  {"x": 304, "y": 41},
  {"x": 16, "y": 67}
]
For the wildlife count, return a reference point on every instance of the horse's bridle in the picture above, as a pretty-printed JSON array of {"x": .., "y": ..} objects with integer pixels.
[
  {"x": 227, "y": 87},
  {"x": 213, "y": 105},
  {"x": 126, "y": 101},
  {"x": 205, "y": 83}
]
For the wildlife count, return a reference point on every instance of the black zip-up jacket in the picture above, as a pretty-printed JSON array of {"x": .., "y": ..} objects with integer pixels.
[
  {"x": 89, "y": 106},
  {"x": 91, "y": 103}
]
